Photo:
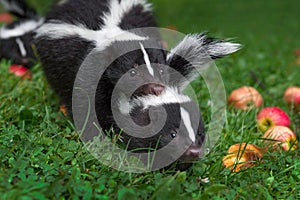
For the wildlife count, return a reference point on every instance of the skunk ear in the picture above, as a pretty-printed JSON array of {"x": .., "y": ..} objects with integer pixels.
[{"x": 192, "y": 53}]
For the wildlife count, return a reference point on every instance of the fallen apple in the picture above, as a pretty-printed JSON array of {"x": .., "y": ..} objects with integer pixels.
[
  {"x": 272, "y": 116},
  {"x": 238, "y": 148},
  {"x": 292, "y": 96},
  {"x": 281, "y": 136},
  {"x": 20, "y": 71},
  {"x": 6, "y": 18},
  {"x": 242, "y": 156},
  {"x": 245, "y": 98}
]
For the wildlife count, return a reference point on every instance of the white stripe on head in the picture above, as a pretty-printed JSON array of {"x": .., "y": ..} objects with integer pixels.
[
  {"x": 147, "y": 60},
  {"x": 21, "y": 47},
  {"x": 185, "y": 116},
  {"x": 21, "y": 29}
]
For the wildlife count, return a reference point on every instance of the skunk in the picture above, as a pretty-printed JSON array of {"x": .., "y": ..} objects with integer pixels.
[
  {"x": 75, "y": 28},
  {"x": 17, "y": 38}
]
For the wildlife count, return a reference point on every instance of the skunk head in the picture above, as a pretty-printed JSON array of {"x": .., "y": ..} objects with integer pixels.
[
  {"x": 169, "y": 117},
  {"x": 16, "y": 41},
  {"x": 140, "y": 71}
]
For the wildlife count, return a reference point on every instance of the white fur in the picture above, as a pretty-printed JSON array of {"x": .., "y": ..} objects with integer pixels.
[
  {"x": 168, "y": 96},
  {"x": 21, "y": 47},
  {"x": 21, "y": 29},
  {"x": 188, "y": 124},
  {"x": 147, "y": 60}
]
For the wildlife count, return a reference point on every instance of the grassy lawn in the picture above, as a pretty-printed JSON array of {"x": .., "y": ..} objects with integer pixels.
[{"x": 41, "y": 156}]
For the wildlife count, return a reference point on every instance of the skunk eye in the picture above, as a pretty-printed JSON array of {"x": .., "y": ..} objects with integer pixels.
[
  {"x": 161, "y": 71},
  {"x": 133, "y": 73},
  {"x": 173, "y": 134}
]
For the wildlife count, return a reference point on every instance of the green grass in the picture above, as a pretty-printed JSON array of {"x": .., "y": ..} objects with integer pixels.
[{"x": 41, "y": 156}]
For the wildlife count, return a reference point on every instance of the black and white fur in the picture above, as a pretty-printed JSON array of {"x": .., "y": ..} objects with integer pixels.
[
  {"x": 74, "y": 28},
  {"x": 17, "y": 38}
]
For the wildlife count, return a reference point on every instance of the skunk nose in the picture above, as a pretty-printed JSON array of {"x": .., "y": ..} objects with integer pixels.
[
  {"x": 193, "y": 152},
  {"x": 156, "y": 89},
  {"x": 151, "y": 88},
  {"x": 25, "y": 60}
]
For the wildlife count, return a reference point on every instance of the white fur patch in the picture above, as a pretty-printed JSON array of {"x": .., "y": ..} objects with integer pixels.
[
  {"x": 21, "y": 29},
  {"x": 188, "y": 124},
  {"x": 147, "y": 60},
  {"x": 21, "y": 47},
  {"x": 168, "y": 96}
]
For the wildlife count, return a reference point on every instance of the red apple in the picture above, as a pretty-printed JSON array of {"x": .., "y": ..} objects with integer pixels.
[
  {"x": 20, "y": 71},
  {"x": 292, "y": 96},
  {"x": 272, "y": 116},
  {"x": 242, "y": 156},
  {"x": 245, "y": 98},
  {"x": 6, "y": 18},
  {"x": 297, "y": 52},
  {"x": 283, "y": 136}
]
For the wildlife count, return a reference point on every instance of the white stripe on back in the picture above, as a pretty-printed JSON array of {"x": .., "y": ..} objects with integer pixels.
[
  {"x": 147, "y": 60},
  {"x": 108, "y": 33},
  {"x": 102, "y": 38},
  {"x": 188, "y": 124}
]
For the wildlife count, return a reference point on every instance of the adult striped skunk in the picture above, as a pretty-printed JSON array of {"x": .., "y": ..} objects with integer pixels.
[
  {"x": 17, "y": 38},
  {"x": 74, "y": 28}
]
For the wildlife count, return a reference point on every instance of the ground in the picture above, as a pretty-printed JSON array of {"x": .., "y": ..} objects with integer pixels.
[{"x": 41, "y": 156}]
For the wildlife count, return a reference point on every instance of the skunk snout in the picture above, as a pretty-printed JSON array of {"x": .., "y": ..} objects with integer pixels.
[
  {"x": 155, "y": 89},
  {"x": 194, "y": 152},
  {"x": 25, "y": 61},
  {"x": 151, "y": 88}
]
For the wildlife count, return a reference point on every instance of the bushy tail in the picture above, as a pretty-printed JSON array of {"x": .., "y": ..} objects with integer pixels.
[{"x": 19, "y": 8}]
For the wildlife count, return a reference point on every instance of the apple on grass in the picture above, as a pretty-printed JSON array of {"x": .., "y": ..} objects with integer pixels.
[
  {"x": 6, "y": 18},
  {"x": 272, "y": 116},
  {"x": 292, "y": 96},
  {"x": 245, "y": 98},
  {"x": 242, "y": 156},
  {"x": 281, "y": 136},
  {"x": 20, "y": 71}
]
